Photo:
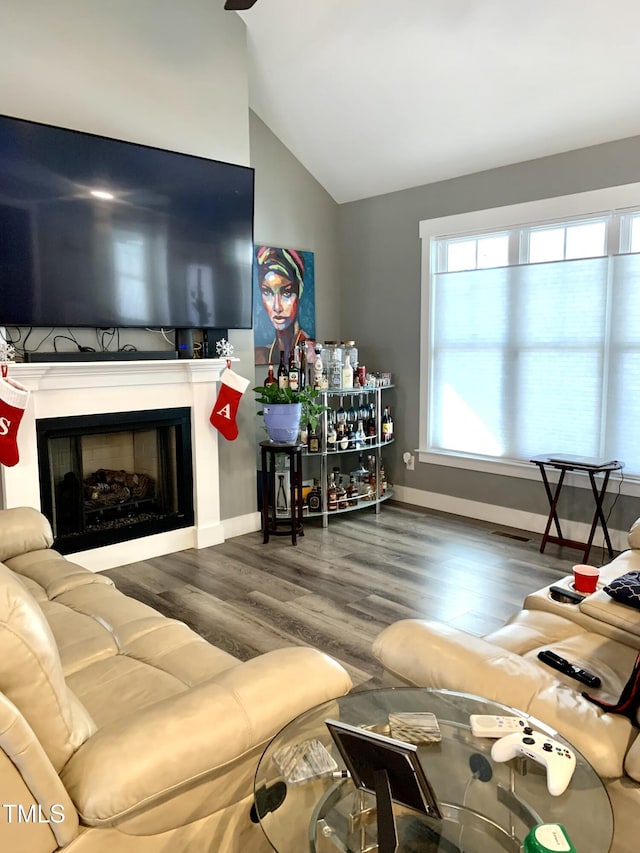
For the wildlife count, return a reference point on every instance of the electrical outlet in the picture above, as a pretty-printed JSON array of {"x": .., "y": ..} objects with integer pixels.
[{"x": 409, "y": 460}]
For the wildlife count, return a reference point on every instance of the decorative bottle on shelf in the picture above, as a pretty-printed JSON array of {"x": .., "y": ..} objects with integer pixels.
[
  {"x": 347, "y": 373},
  {"x": 383, "y": 482},
  {"x": 314, "y": 500},
  {"x": 341, "y": 494},
  {"x": 313, "y": 442},
  {"x": 332, "y": 435},
  {"x": 352, "y": 492},
  {"x": 303, "y": 365},
  {"x": 271, "y": 379},
  {"x": 283, "y": 373},
  {"x": 318, "y": 367},
  {"x": 387, "y": 424},
  {"x": 371, "y": 423},
  {"x": 294, "y": 370},
  {"x": 360, "y": 437},
  {"x": 332, "y": 499}
]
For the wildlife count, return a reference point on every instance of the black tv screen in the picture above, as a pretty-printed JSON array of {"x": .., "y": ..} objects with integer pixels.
[{"x": 103, "y": 233}]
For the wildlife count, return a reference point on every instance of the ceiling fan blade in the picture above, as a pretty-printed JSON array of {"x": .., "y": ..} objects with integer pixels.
[{"x": 239, "y": 5}]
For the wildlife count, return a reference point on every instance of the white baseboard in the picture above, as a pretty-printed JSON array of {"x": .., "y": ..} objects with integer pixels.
[
  {"x": 505, "y": 516},
  {"x": 241, "y": 524}
]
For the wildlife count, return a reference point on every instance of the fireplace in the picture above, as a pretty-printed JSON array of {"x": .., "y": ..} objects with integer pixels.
[{"x": 113, "y": 477}]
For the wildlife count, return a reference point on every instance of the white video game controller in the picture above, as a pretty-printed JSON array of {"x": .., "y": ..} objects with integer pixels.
[{"x": 558, "y": 759}]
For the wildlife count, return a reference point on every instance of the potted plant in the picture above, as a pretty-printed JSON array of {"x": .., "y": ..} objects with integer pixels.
[{"x": 284, "y": 410}]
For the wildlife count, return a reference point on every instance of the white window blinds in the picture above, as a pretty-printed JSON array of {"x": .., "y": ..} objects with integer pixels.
[{"x": 537, "y": 357}]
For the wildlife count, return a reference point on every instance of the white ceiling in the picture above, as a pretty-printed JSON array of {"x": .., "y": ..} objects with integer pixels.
[{"x": 374, "y": 96}]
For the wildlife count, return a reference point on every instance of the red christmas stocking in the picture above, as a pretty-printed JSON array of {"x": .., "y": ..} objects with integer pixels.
[
  {"x": 13, "y": 399},
  {"x": 223, "y": 416}
]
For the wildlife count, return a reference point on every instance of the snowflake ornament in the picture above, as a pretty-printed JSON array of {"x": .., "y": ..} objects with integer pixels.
[
  {"x": 7, "y": 352},
  {"x": 224, "y": 349}
]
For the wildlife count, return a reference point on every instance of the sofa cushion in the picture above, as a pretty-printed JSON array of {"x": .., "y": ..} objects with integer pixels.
[{"x": 31, "y": 673}]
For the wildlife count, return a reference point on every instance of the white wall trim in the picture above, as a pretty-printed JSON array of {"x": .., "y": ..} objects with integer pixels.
[
  {"x": 506, "y": 517},
  {"x": 509, "y": 216},
  {"x": 241, "y": 524}
]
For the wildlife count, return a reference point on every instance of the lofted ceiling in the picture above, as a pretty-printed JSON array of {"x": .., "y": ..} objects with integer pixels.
[{"x": 374, "y": 96}]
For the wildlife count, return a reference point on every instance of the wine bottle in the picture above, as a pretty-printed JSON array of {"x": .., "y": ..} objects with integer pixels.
[
  {"x": 371, "y": 423},
  {"x": 387, "y": 425},
  {"x": 294, "y": 370},
  {"x": 283, "y": 373},
  {"x": 303, "y": 364}
]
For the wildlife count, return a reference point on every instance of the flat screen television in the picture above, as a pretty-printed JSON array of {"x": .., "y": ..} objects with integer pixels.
[{"x": 103, "y": 233}]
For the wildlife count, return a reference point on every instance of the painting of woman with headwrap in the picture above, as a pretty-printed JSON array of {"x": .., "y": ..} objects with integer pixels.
[{"x": 284, "y": 303}]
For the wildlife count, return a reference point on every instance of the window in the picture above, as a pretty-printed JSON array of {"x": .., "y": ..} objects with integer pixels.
[{"x": 532, "y": 337}]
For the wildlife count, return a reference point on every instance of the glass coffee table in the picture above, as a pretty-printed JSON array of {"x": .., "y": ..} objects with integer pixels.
[{"x": 486, "y": 806}]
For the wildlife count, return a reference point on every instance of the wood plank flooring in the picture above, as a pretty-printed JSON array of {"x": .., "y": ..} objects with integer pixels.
[{"x": 341, "y": 585}]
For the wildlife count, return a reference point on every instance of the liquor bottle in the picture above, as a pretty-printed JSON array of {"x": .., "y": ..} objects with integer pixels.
[
  {"x": 332, "y": 499},
  {"x": 371, "y": 423},
  {"x": 352, "y": 492},
  {"x": 332, "y": 435},
  {"x": 347, "y": 373},
  {"x": 271, "y": 379},
  {"x": 360, "y": 437},
  {"x": 351, "y": 437},
  {"x": 341, "y": 494},
  {"x": 318, "y": 367},
  {"x": 303, "y": 365},
  {"x": 387, "y": 424},
  {"x": 383, "y": 481},
  {"x": 313, "y": 442},
  {"x": 294, "y": 370},
  {"x": 343, "y": 437},
  {"x": 283, "y": 373},
  {"x": 314, "y": 500}
]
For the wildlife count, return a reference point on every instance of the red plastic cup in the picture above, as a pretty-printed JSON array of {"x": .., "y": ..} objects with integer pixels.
[
  {"x": 362, "y": 376},
  {"x": 585, "y": 578}
]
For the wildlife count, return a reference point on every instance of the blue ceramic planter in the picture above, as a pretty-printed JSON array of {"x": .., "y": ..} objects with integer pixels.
[{"x": 282, "y": 421}]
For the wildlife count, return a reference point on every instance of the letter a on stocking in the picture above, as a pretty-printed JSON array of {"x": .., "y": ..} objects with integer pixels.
[{"x": 223, "y": 416}]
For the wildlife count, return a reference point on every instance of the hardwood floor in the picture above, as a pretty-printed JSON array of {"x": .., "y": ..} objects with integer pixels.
[{"x": 341, "y": 585}]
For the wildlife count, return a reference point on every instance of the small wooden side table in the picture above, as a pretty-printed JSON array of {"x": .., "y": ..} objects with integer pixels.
[
  {"x": 272, "y": 525},
  {"x": 586, "y": 466}
]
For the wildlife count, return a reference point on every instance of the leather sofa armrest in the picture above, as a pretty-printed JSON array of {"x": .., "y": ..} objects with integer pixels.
[
  {"x": 431, "y": 654},
  {"x": 162, "y": 751},
  {"x": 633, "y": 538},
  {"x": 23, "y": 529}
]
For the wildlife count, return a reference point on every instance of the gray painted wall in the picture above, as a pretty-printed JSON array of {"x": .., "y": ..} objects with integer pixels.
[
  {"x": 162, "y": 77},
  {"x": 291, "y": 209},
  {"x": 380, "y": 268}
]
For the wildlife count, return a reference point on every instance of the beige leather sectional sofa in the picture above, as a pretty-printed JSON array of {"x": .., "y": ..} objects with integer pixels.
[
  {"x": 598, "y": 635},
  {"x": 122, "y": 730}
]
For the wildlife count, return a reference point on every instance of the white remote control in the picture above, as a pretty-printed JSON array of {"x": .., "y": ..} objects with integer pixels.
[{"x": 488, "y": 725}]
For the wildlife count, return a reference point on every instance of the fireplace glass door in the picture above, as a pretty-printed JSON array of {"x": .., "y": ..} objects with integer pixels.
[{"x": 115, "y": 477}]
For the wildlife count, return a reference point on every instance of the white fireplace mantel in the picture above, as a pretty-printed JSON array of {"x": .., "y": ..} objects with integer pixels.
[{"x": 59, "y": 389}]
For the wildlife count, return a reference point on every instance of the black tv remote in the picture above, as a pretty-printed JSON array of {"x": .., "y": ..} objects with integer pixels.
[
  {"x": 565, "y": 595},
  {"x": 570, "y": 669}
]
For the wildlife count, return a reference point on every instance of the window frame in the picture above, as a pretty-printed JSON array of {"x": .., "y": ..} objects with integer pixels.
[{"x": 527, "y": 214}]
